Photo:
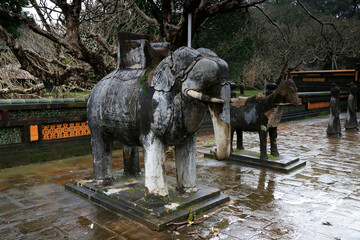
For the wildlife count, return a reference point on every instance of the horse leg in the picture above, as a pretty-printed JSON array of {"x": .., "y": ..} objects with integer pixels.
[
  {"x": 263, "y": 137},
  {"x": 273, "y": 143},
  {"x": 239, "y": 143},
  {"x": 131, "y": 160}
]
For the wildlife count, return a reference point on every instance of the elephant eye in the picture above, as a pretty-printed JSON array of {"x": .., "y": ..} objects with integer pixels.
[{"x": 198, "y": 75}]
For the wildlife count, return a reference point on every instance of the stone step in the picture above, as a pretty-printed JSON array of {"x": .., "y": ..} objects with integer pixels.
[{"x": 131, "y": 203}]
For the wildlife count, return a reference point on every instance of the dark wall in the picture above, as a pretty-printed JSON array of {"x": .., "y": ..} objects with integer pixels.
[{"x": 37, "y": 130}]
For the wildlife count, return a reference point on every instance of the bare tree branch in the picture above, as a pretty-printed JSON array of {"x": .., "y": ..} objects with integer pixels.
[
  {"x": 230, "y": 6},
  {"x": 22, "y": 90},
  {"x": 37, "y": 29},
  {"x": 42, "y": 18},
  {"x": 143, "y": 15},
  {"x": 320, "y": 22},
  {"x": 275, "y": 25}
]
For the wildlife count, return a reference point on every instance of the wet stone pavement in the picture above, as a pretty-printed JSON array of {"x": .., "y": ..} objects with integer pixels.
[{"x": 319, "y": 201}]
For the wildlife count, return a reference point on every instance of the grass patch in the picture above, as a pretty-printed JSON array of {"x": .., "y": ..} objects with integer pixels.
[
  {"x": 269, "y": 155},
  {"x": 248, "y": 93},
  {"x": 238, "y": 150},
  {"x": 324, "y": 113},
  {"x": 35, "y": 150},
  {"x": 66, "y": 95}
]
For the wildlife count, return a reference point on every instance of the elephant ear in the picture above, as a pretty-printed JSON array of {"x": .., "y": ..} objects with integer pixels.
[
  {"x": 174, "y": 67},
  {"x": 163, "y": 78}
]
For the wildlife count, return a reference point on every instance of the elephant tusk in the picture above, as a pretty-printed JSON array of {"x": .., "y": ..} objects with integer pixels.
[{"x": 203, "y": 97}]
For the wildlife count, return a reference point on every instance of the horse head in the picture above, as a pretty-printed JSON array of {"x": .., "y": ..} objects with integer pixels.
[{"x": 288, "y": 92}]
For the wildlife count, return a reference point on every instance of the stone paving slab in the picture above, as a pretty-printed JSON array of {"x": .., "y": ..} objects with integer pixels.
[
  {"x": 319, "y": 201},
  {"x": 65, "y": 217}
]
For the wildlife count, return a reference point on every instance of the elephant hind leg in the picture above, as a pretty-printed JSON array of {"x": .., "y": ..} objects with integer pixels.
[
  {"x": 101, "y": 148},
  {"x": 185, "y": 156},
  {"x": 131, "y": 160}
]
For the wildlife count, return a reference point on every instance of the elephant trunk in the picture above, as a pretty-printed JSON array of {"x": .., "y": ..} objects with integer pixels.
[{"x": 220, "y": 116}]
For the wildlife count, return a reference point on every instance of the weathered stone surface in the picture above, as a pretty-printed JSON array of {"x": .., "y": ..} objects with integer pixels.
[
  {"x": 153, "y": 111},
  {"x": 127, "y": 197}
]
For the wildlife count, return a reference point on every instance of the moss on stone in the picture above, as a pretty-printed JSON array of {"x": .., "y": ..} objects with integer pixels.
[{"x": 107, "y": 128}]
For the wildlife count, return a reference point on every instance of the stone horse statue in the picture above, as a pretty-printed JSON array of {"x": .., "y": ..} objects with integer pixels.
[
  {"x": 159, "y": 104},
  {"x": 254, "y": 114}
]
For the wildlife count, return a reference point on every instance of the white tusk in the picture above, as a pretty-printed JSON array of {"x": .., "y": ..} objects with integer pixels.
[{"x": 203, "y": 97}]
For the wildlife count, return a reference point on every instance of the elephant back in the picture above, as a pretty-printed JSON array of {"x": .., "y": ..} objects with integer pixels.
[
  {"x": 119, "y": 87},
  {"x": 174, "y": 67}
]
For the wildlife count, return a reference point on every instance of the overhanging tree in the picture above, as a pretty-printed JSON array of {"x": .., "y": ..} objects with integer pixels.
[
  {"x": 170, "y": 17},
  {"x": 12, "y": 24},
  {"x": 82, "y": 33},
  {"x": 228, "y": 36},
  {"x": 289, "y": 36}
]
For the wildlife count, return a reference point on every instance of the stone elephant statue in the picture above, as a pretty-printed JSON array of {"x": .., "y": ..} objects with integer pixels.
[{"x": 159, "y": 108}]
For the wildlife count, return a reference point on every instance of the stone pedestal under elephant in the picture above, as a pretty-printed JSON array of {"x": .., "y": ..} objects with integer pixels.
[{"x": 156, "y": 107}]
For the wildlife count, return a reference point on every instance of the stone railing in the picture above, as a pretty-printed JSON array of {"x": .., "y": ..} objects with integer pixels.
[
  {"x": 33, "y": 130},
  {"x": 313, "y": 104}
]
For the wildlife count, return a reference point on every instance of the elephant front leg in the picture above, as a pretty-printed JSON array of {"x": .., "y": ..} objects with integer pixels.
[
  {"x": 131, "y": 160},
  {"x": 154, "y": 159},
  {"x": 263, "y": 137},
  {"x": 185, "y": 156},
  {"x": 101, "y": 148},
  {"x": 273, "y": 143}
]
